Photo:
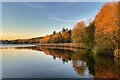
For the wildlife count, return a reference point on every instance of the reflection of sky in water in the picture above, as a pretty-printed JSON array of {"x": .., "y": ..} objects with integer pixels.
[
  {"x": 15, "y": 45},
  {"x": 35, "y": 64}
]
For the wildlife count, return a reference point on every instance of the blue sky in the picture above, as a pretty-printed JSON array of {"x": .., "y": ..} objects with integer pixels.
[{"x": 34, "y": 19}]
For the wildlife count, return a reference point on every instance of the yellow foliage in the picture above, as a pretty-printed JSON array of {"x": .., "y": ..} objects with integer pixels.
[{"x": 106, "y": 23}]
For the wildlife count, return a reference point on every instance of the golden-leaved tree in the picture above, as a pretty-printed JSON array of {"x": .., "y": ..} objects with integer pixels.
[
  {"x": 78, "y": 32},
  {"x": 56, "y": 38},
  {"x": 106, "y": 28}
]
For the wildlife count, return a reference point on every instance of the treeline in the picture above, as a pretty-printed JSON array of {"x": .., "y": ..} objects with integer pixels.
[
  {"x": 22, "y": 41},
  {"x": 63, "y": 36},
  {"x": 79, "y": 34}
]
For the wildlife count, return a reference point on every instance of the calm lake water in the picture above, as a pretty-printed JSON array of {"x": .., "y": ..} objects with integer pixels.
[{"x": 23, "y": 61}]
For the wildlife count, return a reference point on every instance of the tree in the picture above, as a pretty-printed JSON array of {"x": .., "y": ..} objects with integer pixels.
[
  {"x": 78, "y": 32},
  {"x": 63, "y": 29},
  {"x": 46, "y": 39},
  {"x": 66, "y": 35},
  {"x": 106, "y": 32},
  {"x": 89, "y": 35},
  {"x": 54, "y": 32},
  {"x": 56, "y": 38},
  {"x": 60, "y": 37}
]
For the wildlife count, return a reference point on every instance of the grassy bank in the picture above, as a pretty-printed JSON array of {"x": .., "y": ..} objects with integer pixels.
[{"x": 64, "y": 45}]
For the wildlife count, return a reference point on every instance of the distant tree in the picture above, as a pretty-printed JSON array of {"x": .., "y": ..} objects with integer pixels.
[
  {"x": 59, "y": 32},
  {"x": 66, "y": 35},
  {"x": 56, "y": 38},
  {"x": 63, "y": 29},
  {"x": 54, "y": 32},
  {"x": 63, "y": 36},
  {"x": 69, "y": 31},
  {"x": 46, "y": 39}
]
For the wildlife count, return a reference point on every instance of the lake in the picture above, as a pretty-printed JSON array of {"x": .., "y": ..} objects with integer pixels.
[{"x": 28, "y": 61}]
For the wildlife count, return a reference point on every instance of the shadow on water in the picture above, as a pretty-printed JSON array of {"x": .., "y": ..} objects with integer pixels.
[{"x": 97, "y": 65}]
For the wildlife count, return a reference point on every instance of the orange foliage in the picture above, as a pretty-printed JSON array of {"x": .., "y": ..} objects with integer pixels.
[
  {"x": 106, "y": 23},
  {"x": 78, "y": 32}
]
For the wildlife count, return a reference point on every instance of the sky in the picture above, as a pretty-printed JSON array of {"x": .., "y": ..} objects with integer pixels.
[{"x": 22, "y": 20}]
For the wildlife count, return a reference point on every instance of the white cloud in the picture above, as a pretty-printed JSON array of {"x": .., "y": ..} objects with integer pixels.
[
  {"x": 62, "y": 20},
  {"x": 33, "y": 6}
]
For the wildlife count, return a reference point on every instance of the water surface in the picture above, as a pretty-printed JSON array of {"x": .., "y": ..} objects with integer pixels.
[{"x": 38, "y": 62}]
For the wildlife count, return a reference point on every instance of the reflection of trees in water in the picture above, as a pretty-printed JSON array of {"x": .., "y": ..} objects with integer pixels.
[
  {"x": 64, "y": 55},
  {"x": 97, "y": 65},
  {"x": 105, "y": 67},
  {"x": 79, "y": 67},
  {"x": 87, "y": 57},
  {"x": 77, "y": 56}
]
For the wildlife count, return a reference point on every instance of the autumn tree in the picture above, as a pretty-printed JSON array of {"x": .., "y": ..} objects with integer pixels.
[
  {"x": 66, "y": 35},
  {"x": 46, "y": 39},
  {"x": 106, "y": 32},
  {"x": 78, "y": 32},
  {"x": 56, "y": 38}
]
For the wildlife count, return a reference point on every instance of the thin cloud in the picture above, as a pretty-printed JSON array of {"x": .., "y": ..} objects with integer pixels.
[
  {"x": 33, "y": 6},
  {"x": 62, "y": 20}
]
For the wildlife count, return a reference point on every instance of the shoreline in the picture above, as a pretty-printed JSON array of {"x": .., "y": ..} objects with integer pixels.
[{"x": 64, "y": 45}]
